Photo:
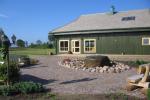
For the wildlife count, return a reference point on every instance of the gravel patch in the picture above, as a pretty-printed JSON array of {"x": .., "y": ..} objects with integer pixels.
[{"x": 65, "y": 80}]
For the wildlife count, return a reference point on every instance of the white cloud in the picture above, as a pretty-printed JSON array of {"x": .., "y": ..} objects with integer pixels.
[{"x": 3, "y": 15}]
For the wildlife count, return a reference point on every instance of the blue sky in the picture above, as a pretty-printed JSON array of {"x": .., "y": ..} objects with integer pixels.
[{"x": 31, "y": 20}]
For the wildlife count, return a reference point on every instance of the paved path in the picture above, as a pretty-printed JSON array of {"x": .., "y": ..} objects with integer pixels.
[{"x": 64, "y": 80}]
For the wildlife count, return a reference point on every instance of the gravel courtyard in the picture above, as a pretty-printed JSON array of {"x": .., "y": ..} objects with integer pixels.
[{"x": 64, "y": 80}]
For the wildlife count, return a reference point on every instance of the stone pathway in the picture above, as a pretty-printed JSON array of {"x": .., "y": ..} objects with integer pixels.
[{"x": 64, "y": 80}]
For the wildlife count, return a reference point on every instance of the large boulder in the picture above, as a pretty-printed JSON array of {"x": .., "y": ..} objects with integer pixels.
[{"x": 94, "y": 61}]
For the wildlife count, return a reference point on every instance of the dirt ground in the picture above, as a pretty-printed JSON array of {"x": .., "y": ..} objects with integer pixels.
[{"x": 63, "y": 80}]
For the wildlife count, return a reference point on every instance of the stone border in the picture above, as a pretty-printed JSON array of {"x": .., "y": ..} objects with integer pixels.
[{"x": 78, "y": 64}]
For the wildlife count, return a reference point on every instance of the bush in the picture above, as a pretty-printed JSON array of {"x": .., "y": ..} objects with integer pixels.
[
  {"x": 14, "y": 73},
  {"x": 21, "y": 87},
  {"x": 7, "y": 90},
  {"x": 28, "y": 87},
  {"x": 148, "y": 94},
  {"x": 140, "y": 62}
]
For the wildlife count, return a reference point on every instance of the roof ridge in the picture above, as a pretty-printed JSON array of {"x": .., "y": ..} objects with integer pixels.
[{"x": 103, "y": 13}]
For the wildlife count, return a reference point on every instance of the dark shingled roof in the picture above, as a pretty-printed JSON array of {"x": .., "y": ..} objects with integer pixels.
[{"x": 106, "y": 21}]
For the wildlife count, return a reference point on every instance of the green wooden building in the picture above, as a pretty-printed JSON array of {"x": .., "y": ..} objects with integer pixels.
[{"x": 126, "y": 32}]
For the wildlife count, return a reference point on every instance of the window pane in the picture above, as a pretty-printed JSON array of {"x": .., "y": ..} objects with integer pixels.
[
  {"x": 66, "y": 43},
  {"x": 86, "y": 43},
  {"x": 90, "y": 46},
  {"x": 146, "y": 41},
  {"x": 62, "y": 44},
  {"x": 62, "y": 49},
  {"x": 76, "y": 49},
  {"x": 66, "y": 48},
  {"x": 91, "y": 43},
  {"x": 86, "y": 49},
  {"x": 76, "y": 43}
]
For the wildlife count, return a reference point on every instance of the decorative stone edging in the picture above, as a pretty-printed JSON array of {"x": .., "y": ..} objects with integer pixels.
[{"x": 78, "y": 64}]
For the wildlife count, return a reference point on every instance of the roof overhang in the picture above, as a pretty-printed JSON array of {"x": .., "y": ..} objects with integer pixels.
[{"x": 102, "y": 31}]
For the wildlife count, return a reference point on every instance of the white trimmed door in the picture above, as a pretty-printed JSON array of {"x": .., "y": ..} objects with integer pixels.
[{"x": 75, "y": 46}]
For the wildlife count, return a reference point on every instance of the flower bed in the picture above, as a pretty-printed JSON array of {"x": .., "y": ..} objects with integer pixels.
[{"x": 79, "y": 64}]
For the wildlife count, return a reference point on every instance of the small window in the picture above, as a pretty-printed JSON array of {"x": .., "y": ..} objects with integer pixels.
[
  {"x": 145, "y": 41},
  {"x": 90, "y": 45},
  {"x": 128, "y": 18},
  {"x": 64, "y": 45}
]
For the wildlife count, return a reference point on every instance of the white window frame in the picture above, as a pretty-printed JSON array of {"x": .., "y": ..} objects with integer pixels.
[
  {"x": 85, "y": 47},
  {"x": 143, "y": 41},
  {"x": 76, "y": 47},
  {"x": 60, "y": 47}
]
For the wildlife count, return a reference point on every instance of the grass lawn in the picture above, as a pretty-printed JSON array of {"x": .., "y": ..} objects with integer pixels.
[
  {"x": 31, "y": 51},
  {"x": 49, "y": 96}
]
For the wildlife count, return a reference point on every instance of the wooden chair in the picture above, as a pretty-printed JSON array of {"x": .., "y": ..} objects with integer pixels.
[{"x": 141, "y": 80}]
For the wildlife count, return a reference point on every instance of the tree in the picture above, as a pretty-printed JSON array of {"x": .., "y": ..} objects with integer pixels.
[
  {"x": 5, "y": 52},
  {"x": 13, "y": 38},
  {"x": 1, "y": 33},
  {"x": 26, "y": 43},
  {"x": 39, "y": 42},
  {"x": 20, "y": 43},
  {"x": 50, "y": 37},
  {"x": 51, "y": 40}
]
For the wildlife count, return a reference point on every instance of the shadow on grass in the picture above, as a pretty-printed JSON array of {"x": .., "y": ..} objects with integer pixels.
[
  {"x": 32, "y": 66},
  {"x": 79, "y": 80},
  {"x": 35, "y": 79}
]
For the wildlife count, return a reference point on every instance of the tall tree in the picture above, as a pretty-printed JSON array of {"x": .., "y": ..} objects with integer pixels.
[
  {"x": 1, "y": 33},
  {"x": 51, "y": 40},
  {"x": 20, "y": 43},
  {"x": 13, "y": 38},
  {"x": 51, "y": 37},
  {"x": 26, "y": 43},
  {"x": 39, "y": 42}
]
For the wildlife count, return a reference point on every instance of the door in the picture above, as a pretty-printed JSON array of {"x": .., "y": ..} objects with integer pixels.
[{"x": 75, "y": 46}]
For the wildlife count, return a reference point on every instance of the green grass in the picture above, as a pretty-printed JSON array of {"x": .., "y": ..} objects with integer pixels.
[
  {"x": 30, "y": 51},
  {"x": 50, "y": 96}
]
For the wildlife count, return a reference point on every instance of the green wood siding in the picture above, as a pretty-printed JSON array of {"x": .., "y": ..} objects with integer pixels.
[
  {"x": 122, "y": 43},
  {"x": 113, "y": 43}
]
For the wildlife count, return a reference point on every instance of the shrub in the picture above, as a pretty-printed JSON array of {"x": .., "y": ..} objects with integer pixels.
[
  {"x": 140, "y": 62},
  {"x": 28, "y": 87},
  {"x": 21, "y": 87},
  {"x": 6, "y": 90},
  {"x": 14, "y": 73},
  {"x": 148, "y": 94}
]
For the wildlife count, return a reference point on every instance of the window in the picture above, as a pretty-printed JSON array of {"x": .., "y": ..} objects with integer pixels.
[
  {"x": 146, "y": 41},
  {"x": 128, "y": 18},
  {"x": 63, "y": 45},
  {"x": 90, "y": 45}
]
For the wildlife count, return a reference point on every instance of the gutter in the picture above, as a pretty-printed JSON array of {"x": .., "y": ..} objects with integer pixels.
[{"x": 101, "y": 31}]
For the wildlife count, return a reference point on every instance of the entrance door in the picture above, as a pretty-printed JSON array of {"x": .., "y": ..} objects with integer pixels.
[{"x": 75, "y": 46}]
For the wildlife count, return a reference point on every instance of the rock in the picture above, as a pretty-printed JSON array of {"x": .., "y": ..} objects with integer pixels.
[
  {"x": 117, "y": 70},
  {"x": 101, "y": 71},
  {"x": 100, "y": 68},
  {"x": 88, "y": 69},
  {"x": 76, "y": 68},
  {"x": 93, "y": 70},
  {"x": 105, "y": 68},
  {"x": 82, "y": 65},
  {"x": 127, "y": 67},
  {"x": 68, "y": 65},
  {"x": 111, "y": 70},
  {"x": 93, "y": 61},
  {"x": 84, "y": 69},
  {"x": 66, "y": 60}
]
